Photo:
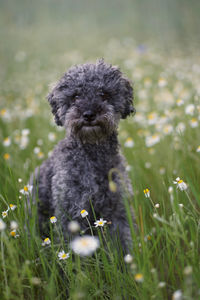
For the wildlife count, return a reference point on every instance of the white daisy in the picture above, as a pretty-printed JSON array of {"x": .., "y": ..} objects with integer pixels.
[
  {"x": 84, "y": 213},
  {"x": 152, "y": 140},
  {"x": 128, "y": 258},
  {"x": 62, "y": 255},
  {"x": 177, "y": 295},
  {"x": 26, "y": 190},
  {"x": 181, "y": 185},
  {"x": 12, "y": 207},
  {"x": 7, "y": 142},
  {"x": 2, "y": 225},
  {"x": 129, "y": 143},
  {"x": 189, "y": 109},
  {"x": 46, "y": 241},
  {"x": 100, "y": 222},
  {"x": 147, "y": 193},
  {"x": 73, "y": 226},
  {"x": 85, "y": 245},
  {"x": 4, "y": 214},
  {"x": 13, "y": 225},
  {"x": 53, "y": 219}
]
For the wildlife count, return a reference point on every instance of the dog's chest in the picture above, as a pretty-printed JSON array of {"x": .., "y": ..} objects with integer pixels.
[{"x": 83, "y": 176}]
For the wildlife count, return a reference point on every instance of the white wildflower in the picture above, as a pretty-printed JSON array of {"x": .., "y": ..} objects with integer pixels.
[
  {"x": 2, "y": 225},
  {"x": 181, "y": 185},
  {"x": 84, "y": 213},
  {"x": 85, "y": 245},
  {"x": 189, "y": 109},
  {"x": 62, "y": 255},
  {"x": 100, "y": 223},
  {"x": 128, "y": 258},
  {"x": 177, "y": 295},
  {"x": 26, "y": 190}
]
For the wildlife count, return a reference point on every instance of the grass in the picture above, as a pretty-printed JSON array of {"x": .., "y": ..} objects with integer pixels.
[{"x": 160, "y": 143}]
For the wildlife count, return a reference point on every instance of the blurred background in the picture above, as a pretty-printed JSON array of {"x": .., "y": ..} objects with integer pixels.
[
  {"x": 155, "y": 43},
  {"x": 43, "y": 28}
]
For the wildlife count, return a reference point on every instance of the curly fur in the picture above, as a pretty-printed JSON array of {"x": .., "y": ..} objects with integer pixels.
[{"x": 89, "y": 100}]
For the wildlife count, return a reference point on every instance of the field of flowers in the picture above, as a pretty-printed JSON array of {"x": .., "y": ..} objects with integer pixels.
[{"x": 162, "y": 146}]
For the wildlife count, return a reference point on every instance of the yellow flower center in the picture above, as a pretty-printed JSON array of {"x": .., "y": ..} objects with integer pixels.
[
  {"x": 52, "y": 218},
  {"x": 64, "y": 255},
  {"x": 138, "y": 276},
  {"x": 84, "y": 243},
  {"x": 6, "y": 156},
  {"x": 100, "y": 222},
  {"x": 2, "y": 112},
  {"x": 46, "y": 240},
  {"x": 4, "y": 214},
  {"x": 180, "y": 181},
  {"x": 151, "y": 116},
  {"x": 13, "y": 233},
  {"x": 11, "y": 205},
  {"x": 25, "y": 188},
  {"x": 129, "y": 139},
  {"x": 194, "y": 120},
  {"x": 82, "y": 212},
  {"x": 146, "y": 191}
]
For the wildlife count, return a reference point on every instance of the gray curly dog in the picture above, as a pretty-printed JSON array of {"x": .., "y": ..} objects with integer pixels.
[{"x": 89, "y": 101}]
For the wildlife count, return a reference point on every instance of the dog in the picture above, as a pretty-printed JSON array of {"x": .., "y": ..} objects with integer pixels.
[{"x": 86, "y": 169}]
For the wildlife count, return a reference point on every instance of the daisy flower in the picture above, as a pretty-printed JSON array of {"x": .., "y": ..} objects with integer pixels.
[
  {"x": 12, "y": 206},
  {"x": 139, "y": 277},
  {"x": 62, "y": 255},
  {"x": 179, "y": 102},
  {"x": 51, "y": 136},
  {"x": 6, "y": 156},
  {"x": 7, "y": 142},
  {"x": 84, "y": 213},
  {"x": 53, "y": 219},
  {"x": 85, "y": 245},
  {"x": 26, "y": 190},
  {"x": 73, "y": 226},
  {"x": 161, "y": 284},
  {"x": 147, "y": 193},
  {"x": 177, "y": 295},
  {"x": 193, "y": 123},
  {"x": 4, "y": 214},
  {"x": 46, "y": 241},
  {"x": 152, "y": 140},
  {"x": 100, "y": 222},
  {"x": 181, "y": 185},
  {"x": 128, "y": 258},
  {"x": 13, "y": 233},
  {"x": 189, "y": 109},
  {"x": 2, "y": 225},
  {"x": 162, "y": 82},
  {"x": 129, "y": 143},
  {"x": 13, "y": 225}
]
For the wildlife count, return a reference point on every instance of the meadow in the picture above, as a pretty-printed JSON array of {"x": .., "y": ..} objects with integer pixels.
[{"x": 161, "y": 144}]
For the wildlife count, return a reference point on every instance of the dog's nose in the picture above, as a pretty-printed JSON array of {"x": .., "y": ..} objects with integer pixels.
[{"x": 89, "y": 115}]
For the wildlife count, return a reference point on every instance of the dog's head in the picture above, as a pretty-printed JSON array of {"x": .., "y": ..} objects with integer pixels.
[{"x": 90, "y": 99}]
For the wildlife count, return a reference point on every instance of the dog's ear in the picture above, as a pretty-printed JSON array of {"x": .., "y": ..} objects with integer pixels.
[
  {"x": 127, "y": 91},
  {"x": 58, "y": 101}
]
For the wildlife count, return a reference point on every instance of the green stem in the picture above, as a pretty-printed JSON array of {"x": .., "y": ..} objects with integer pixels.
[{"x": 3, "y": 264}]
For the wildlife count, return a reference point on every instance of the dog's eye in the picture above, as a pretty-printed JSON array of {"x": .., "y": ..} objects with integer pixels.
[
  {"x": 76, "y": 97},
  {"x": 104, "y": 96}
]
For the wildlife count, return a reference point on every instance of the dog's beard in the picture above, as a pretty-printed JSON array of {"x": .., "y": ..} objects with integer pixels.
[{"x": 104, "y": 125}]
